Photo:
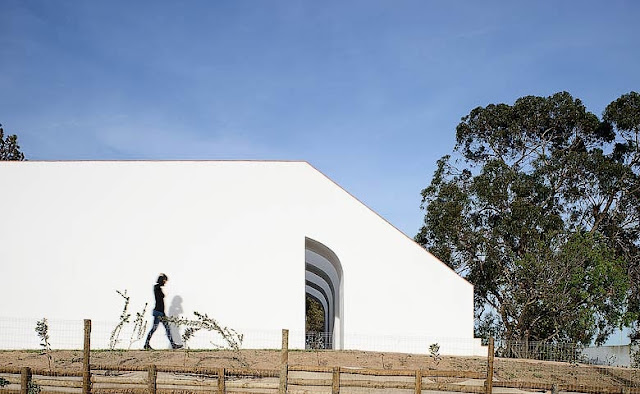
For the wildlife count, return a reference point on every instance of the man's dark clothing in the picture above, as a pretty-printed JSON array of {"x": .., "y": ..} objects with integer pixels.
[
  {"x": 157, "y": 291},
  {"x": 159, "y": 316}
]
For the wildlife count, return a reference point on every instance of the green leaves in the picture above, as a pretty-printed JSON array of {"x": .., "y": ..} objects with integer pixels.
[
  {"x": 314, "y": 315},
  {"x": 42, "y": 329},
  {"x": 9, "y": 148},
  {"x": 539, "y": 207},
  {"x": 567, "y": 288},
  {"x": 624, "y": 113},
  {"x": 531, "y": 128}
]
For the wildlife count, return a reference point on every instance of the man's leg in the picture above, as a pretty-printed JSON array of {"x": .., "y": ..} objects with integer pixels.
[
  {"x": 156, "y": 321},
  {"x": 165, "y": 323}
]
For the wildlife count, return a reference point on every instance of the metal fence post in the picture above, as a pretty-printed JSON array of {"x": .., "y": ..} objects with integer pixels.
[
  {"x": 489, "y": 382},
  {"x": 86, "y": 360},
  {"x": 284, "y": 362}
]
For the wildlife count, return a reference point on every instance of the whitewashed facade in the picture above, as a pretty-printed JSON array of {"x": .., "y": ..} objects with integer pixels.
[{"x": 243, "y": 241}]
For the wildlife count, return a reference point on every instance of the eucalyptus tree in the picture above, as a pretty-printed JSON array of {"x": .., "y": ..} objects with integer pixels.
[
  {"x": 539, "y": 207},
  {"x": 9, "y": 148}
]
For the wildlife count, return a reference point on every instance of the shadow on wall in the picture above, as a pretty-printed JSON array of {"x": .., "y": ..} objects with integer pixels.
[{"x": 175, "y": 310}]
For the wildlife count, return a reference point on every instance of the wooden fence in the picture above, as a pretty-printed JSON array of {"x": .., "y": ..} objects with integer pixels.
[{"x": 287, "y": 378}]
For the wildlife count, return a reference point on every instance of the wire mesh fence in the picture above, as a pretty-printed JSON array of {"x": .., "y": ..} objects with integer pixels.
[
  {"x": 318, "y": 340},
  {"x": 110, "y": 335},
  {"x": 20, "y": 333},
  {"x": 534, "y": 350},
  {"x": 612, "y": 355},
  {"x": 517, "y": 364}
]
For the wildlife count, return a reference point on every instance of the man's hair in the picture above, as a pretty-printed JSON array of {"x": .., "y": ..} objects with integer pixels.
[{"x": 162, "y": 278}]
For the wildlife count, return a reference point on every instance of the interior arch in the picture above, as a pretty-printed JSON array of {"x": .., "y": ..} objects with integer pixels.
[{"x": 323, "y": 281}]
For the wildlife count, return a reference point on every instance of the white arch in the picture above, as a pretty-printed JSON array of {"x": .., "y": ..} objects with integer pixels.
[
  {"x": 324, "y": 269},
  {"x": 326, "y": 295},
  {"x": 323, "y": 277}
]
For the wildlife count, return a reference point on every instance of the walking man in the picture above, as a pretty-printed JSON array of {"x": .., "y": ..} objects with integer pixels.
[{"x": 158, "y": 314}]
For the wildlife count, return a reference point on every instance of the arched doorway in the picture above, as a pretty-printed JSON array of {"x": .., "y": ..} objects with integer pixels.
[{"x": 323, "y": 284}]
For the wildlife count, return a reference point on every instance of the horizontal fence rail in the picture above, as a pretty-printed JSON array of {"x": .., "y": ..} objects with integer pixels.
[
  {"x": 220, "y": 380},
  {"x": 498, "y": 373}
]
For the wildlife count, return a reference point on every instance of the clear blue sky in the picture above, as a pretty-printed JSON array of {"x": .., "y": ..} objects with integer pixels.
[{"x": 369, "y": 92}]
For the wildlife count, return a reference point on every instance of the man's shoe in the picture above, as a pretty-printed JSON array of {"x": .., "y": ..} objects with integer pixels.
[
  {"x": 147, "y": 347},
  {"x": 176, "y": 346}
]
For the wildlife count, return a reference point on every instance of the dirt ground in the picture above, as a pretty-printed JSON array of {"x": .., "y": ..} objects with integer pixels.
[{"x": 505, "y": 369}]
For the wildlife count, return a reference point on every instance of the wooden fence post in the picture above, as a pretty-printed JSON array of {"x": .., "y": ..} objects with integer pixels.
[
  {"x": 25, "y": 379},
  {"x": 284, "y": 362},
  {"x": 221, "y": 386},
  {"x": 86, "y": 360},
  {"x": 419, "y": 381},
  {"x": 489, "y": 382},
  {"x": 335, "y": 382},
  {"x": 153, "y": 379}
]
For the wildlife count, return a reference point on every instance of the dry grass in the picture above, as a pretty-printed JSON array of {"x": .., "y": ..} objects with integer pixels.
[{"x": 505, "y": 369}]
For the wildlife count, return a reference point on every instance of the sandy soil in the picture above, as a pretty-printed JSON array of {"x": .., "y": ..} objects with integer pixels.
[{"x": 505, "y": 369}]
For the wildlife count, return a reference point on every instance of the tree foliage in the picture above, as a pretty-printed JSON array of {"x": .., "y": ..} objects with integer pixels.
[
  {"x": 314, "y": 321},
  {"x": 539, "y": 208},
  {"x": 9, "y": 148}
]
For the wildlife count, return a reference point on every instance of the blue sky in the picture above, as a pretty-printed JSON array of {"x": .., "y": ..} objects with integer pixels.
[{"x": 369, "y": 92}]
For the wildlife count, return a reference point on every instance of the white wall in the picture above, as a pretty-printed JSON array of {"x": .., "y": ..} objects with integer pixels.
[
  {"x": 616, "y": 355},
  {"x": 229, "y": 234}
]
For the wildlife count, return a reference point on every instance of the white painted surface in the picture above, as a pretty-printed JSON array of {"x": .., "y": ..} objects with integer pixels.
[
  {"x": 617, "y": 355},
  {"x": 231, "y": 237}
]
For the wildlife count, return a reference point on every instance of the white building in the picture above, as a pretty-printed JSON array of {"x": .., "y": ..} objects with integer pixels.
[{"x": 242, "y": 241}]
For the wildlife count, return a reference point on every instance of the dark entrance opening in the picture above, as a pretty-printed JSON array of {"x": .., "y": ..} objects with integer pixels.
[{"x": 315, "y": 325}]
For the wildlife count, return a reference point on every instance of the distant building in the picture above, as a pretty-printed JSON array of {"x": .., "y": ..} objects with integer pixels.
[{"x": 243, "y": 241}]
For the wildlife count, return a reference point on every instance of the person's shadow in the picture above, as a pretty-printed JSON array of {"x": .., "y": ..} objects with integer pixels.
[{"x": 175, "y": 310}]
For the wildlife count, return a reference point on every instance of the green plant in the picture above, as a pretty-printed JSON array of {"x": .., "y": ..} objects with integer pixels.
[
  {"x": 385, "y": 365},
  {"x": 3, "y": 382},
  {"x": 139, "y": 323},
  {"x": 434, "y": 352},
  {"x": 139, "y": 326},
  {"x": 233, "y": 339},
  {"x": 124, "y": 319},
  {"x": 42, "y": 329},
  {"x": 33, "y": 388}
]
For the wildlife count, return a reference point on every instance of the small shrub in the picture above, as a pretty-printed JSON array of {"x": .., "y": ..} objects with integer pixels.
[
  {"x": 33, "y": 388},
  {"x": 139, "y": 326},
  {"x": 124, "y": 319},
  {"x": 385, "y": 365},
  {"x": 233, "y": 339},
  {"x": 434, "y": 352},
  {"x": 42, "y": 329},
  {"x": 139, "y": 323}
]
